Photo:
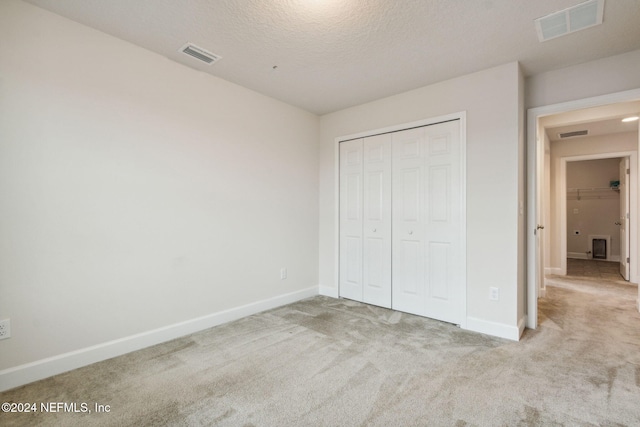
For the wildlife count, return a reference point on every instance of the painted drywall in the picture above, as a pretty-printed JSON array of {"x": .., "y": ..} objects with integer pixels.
[
  {"x": 593, "y": 208},
  {"x": 604, "y": 76},
  {"x": 491, "y": 100},
  {"x": 138, "y": 193},
  {"x": 615, "y": 143}
]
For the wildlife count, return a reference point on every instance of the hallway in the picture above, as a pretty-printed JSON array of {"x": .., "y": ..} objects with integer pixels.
[{"x": 595, "y": 269}]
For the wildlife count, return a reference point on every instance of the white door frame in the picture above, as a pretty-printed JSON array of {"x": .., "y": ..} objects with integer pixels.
[
  {"x": 533, "y": 143},
  {"x": 561, "y": 182},
  {"x": 462, "y": 117}
]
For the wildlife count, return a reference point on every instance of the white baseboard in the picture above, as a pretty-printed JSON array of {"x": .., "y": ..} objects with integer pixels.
[
  {"x": 577, "y": 255},
  {"x": 521, "y": 324},
  {"x": 30, "y": 372},
  {"x": 495, "y": 329},
  {"x": 582, "y": 255},
  {"x": 329, "y": 291}
]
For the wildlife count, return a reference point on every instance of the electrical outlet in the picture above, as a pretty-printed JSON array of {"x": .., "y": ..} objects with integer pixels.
[
  {"x": 494, "y": 294},
  {"x": 5, "y": 329},
  {"x": 283, "y": 273}
]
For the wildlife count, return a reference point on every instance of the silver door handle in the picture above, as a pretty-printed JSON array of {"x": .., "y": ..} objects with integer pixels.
[
  {"x": 540, "y": 227},
  {"x": 617, "y": 223}
]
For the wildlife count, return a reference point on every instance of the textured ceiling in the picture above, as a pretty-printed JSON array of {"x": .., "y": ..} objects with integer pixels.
[
  {"x": 332, "y": 54},
  {"x": 603, "y": 120}
]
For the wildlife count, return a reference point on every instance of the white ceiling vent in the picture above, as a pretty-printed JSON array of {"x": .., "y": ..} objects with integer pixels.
[
  {"x": 572, "y": 134},
  {"x": 199, "y": 53},
  {"x": 578, "y": 17}
]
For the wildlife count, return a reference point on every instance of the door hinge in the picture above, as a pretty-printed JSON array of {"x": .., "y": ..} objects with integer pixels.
[
  {"x": 628, "y": 260},
  {"x": 628, "y": 171}
]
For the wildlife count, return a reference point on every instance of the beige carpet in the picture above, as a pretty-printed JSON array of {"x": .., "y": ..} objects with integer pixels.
[
  {"x": 597, "y": 269},
  {"x": 327, "y": 362}
]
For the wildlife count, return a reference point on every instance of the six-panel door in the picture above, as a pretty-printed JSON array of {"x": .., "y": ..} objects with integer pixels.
[
  {"x": 377, "y": 221},
  {"x": 412, "y": 179},
  {"x": 351, "y": 210},
  {"x": 365, "y": 220}
]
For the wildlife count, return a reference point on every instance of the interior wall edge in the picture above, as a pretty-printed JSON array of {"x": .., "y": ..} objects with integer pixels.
[
  {"x": 329, "y": 291},
  {"x": 41, "y": 369}
]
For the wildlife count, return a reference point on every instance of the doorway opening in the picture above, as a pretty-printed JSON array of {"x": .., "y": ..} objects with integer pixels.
[
  {"x": 596, "y": 198},
  {"x": 547, "y": 204}
]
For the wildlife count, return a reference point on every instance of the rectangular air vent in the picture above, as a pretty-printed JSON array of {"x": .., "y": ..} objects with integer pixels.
[
  {"x": 575, "y": 18},
  {"x": 199, "y": 53},
  {"x": 572, "y": 134}
]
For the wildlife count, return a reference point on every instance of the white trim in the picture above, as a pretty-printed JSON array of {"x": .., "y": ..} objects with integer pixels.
[
  {"x": 510, "y": 332},
  {"x": 533, "y": 114},
  {"x": 552, "y": 270},
  {"x": 575, "y": 255},
  {"x": 462, "y": 117},
  {"x": 404, "y": 126},
  {"x": 34, "y": 371},
  {"x": 336, "y": 217},
  {"x": 463, "y": 214},
  {"x": 582, "y": 255},
  {"x": 561, "y": 200},
  {"x": 521, "y": 325},
  {"x": 329, "y": 291}
]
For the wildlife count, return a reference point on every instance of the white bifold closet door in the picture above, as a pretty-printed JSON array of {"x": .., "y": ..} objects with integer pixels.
[
  {"x": 401, "y": 225},
  {"x": 427, "y": 222},
  {"x": 365, "y": 220}
]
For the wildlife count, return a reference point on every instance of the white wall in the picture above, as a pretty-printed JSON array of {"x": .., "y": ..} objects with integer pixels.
[
  {"x": 592, "y": 212},
  {"x": 604, "y": 76},
  {"x": 137, "y": 193},
  {"x": 494, "y": 163},
  {"x": 615, "y": 143}
]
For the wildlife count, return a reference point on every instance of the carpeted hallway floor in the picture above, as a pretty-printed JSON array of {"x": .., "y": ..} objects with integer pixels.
[
  {"x": 596, "y": 269},
  {"x": 327, "y": 362}
]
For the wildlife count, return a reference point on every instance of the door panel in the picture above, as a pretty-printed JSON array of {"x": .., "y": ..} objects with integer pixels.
[
  {"x": 439, "y": 193},
  {"x": 427, "y": 222},
  {"x": 377, "y": 221},
  {"x": 444, "y": 298},
  {"x": 351, "y": 213},
  {"x": 410, "y": 195},
  {"x": 408, "y": 221},
  {"x": 408, "y": 277},
  {"x": 375, "y": 254},
  {"x": 438, "y": 268},
  {"x": 401, "y": 221},
  {"x": 375, "y": 195}
]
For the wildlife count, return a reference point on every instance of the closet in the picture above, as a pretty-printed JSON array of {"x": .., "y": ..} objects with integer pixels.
[{"x": 401, "y": 221}]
